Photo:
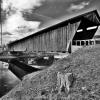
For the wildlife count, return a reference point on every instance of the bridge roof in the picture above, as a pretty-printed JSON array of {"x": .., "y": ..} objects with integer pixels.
[{"x": 92, "y": 16}]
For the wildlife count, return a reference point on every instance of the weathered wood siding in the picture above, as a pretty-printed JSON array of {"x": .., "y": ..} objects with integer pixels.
[{"x": 55, "y": 40}]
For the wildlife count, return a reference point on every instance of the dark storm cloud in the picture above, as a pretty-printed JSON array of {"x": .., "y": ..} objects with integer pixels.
[
  {"x": 6, "y": 33},
  {"x": 52, "y": 9},
  {"x": 35, "y": 16}
]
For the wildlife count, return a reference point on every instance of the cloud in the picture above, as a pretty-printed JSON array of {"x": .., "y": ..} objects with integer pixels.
[
  {"x": 6, "y": 33},
  {"x": 63, "y": 0},
  {"x": 15, "y": 22},
  {"x": 75, "y": 7},
  {"x": 21, "y": 5}
]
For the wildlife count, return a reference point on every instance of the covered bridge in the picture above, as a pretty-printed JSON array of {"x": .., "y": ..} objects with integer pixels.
[{"x": 61, "y": 36}]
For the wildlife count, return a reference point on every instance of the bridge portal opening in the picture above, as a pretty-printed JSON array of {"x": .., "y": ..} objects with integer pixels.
[{"x": 85, "y": 33}]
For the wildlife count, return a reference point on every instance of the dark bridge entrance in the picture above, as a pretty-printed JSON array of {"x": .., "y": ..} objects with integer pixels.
[{"x": 86, "y": 31}]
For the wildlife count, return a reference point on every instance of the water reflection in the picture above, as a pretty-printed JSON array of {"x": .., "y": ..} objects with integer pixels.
[{"x": 7, "y": 81}]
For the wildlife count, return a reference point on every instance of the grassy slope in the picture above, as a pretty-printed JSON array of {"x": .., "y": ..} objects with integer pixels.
[{"x": 84, "y": 64}]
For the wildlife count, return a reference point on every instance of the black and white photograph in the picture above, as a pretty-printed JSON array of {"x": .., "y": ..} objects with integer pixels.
[{"x": 49, "y": 49}]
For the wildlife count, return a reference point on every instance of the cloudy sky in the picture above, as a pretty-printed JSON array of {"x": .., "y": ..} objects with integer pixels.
[{"x": 22, "y": 17}]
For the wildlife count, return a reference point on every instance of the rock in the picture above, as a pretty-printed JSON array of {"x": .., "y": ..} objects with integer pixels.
[{"x": 65, "y": 81}]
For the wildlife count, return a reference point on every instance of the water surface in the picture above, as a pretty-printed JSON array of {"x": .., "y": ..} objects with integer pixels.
[{"x": 7, "y": 81}]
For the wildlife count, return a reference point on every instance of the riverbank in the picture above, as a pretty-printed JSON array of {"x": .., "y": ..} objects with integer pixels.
[
  {"x": 85, "y": 66},
  {"x": 7, "y": 81}
]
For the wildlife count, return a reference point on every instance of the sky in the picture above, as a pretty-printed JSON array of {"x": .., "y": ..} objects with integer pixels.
[{"x": 21, "y": 18}]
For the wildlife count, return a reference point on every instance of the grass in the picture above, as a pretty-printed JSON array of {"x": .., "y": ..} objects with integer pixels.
[{"x": 84, "y": 64}]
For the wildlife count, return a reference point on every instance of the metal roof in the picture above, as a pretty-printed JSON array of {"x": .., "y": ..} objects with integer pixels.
[{"x": 91, "y": 16}]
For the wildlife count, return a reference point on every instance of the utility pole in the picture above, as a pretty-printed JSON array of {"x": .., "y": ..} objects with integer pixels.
[
  {"x": 1, "y": 20},
  {"x": 1, "y": 31}
]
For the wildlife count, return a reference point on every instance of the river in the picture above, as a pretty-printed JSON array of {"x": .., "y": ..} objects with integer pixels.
[{"x": 7, "y": 80}]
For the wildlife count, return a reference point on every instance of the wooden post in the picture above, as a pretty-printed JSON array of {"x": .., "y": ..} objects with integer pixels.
[
  {"x": 70, "y": 47},
  {"x": 84, "y": 42},
  {"x": 76, "y": 42},
  {"x": 94, "y": 42},
  {"x": 80, "y": 42}
]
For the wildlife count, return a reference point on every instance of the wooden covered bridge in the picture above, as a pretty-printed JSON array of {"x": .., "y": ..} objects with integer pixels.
[
  {"x": 58, "y": 38},
  {"x": 61, "y": 36}
]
